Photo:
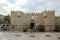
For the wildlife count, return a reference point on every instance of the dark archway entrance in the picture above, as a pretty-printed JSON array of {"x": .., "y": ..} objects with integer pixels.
[{"x": 32, "y": 24}]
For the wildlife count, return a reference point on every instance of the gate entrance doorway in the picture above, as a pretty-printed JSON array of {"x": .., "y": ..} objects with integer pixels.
[{"x": 32, "y": 24}]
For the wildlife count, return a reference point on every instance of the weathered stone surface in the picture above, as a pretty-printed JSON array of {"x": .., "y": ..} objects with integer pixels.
[{"x": 46, "y": 18}]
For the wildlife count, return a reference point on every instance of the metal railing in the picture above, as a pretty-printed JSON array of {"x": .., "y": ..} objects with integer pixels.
[{"x": 19, "y": 27}]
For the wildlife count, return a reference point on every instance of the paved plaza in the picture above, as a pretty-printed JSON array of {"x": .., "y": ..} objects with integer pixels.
[{"x": 29, "y": 36}]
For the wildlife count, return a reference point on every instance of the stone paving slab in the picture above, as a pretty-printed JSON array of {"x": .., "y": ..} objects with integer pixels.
[{"x": 29, "y": 36}]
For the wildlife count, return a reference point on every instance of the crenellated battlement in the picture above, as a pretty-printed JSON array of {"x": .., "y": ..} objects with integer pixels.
[{"x": 34, "y": 13}]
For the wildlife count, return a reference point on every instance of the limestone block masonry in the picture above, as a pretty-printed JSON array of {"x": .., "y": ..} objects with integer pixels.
[{"x": 46, "y": 18}]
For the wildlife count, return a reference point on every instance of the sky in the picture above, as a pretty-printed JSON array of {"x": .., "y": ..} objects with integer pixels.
[{"x": 6, "y": 6}]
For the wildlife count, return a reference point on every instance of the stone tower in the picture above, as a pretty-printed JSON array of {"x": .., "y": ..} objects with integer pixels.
[{"x": 49, "y": 20}]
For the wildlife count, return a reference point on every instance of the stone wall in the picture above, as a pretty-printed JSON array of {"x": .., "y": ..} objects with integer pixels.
[{"x": 46, "y": 18}]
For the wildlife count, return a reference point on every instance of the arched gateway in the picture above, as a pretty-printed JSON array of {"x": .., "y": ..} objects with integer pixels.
[{"x": 32, "y": 24}]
